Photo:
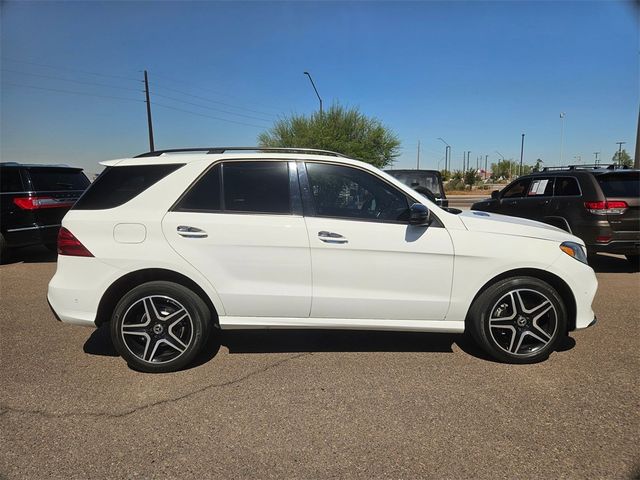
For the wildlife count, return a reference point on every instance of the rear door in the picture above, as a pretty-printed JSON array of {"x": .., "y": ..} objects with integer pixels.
[
  {"x": 623, "y": 187},
  {"x": 241, "y": 226}
]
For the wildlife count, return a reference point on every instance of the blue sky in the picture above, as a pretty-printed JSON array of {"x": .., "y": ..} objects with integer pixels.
[{"x": 477, "y": 74}]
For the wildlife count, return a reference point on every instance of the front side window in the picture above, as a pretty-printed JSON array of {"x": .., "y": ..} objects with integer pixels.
[
  {"x": 346, "y": 192},
  {"x": 518, "y": 189},
  {"x": 566, "y": 186}
]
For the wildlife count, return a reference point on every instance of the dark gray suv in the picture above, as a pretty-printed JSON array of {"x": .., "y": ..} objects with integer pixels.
[{"x": 601, "y": 205}]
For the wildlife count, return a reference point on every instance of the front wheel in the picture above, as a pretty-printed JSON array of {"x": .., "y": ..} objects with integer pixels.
[
  {"x": 160, "y": 326},
  {"x": 518, "y": 320}
]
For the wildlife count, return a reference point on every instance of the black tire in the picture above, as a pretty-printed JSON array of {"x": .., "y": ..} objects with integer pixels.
[
  {"x": 634, "y": 260},
  {"x": 525, "y": 334},
  {"x": 160, "y": 326}
]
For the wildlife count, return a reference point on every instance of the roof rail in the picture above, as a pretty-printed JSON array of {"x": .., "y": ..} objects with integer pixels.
[
  {"x": 588, "y": 166},
  {"x": 217, "y": 150}
]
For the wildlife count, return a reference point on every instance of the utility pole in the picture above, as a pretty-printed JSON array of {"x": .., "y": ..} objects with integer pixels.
[
  {"x": 468, "y": 160},
  {"x": 486, "y": 158},
  {"x": 149, "y": 122},
  {"x": 636, "y": 161},
  {"x": 562, "y": 115},
  {"x": 620, "y": 151},
  {"x": 597, "y": 161},
  {"x": 521, "y": 153},
  {"x": 418, "y": 166}
]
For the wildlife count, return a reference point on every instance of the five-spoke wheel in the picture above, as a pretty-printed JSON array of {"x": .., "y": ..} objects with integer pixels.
[
  {"x": 160, "y": 326},
  {"x": 518, "y": 320}
]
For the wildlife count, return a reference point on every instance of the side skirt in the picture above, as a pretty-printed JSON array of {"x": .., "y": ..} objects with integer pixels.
[{"x": 444, "y": 326}]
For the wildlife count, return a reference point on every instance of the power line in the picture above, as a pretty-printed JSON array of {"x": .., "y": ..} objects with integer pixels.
[
  {"x": 209, "y": 108},
  {"x": 72, "y": 93},
  {"x": 208, "y": 116},
  {"x": 71, "y": 69},
  {"x": 71, "y": 80},
  {"x": 215, "y": 101}
]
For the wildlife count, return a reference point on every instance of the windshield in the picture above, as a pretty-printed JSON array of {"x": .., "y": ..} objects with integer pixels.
[
  {"x": 419, "y": 179},
  {"x": 621, "y": 184},
  {"x": 51, "y": 179}
]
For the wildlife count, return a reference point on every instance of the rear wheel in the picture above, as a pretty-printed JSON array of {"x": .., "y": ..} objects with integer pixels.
[
  {"x": 160, "y": 326},
  {"x": 518, "y": 320}
]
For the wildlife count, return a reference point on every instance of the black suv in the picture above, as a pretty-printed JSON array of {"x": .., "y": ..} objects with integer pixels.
[
  {"x": 34, "y": 198},
  {"x": 601, "y": 205},
  {"x": 425, "y": 182}
]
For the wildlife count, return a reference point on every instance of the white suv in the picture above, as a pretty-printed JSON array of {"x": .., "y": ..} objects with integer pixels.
[{"x": 172, "y": 245}]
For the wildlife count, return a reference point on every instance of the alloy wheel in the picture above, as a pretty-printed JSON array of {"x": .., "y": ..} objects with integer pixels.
[
  {"x": 523, "y": 322},
  {"x": 157, "y": 329}
]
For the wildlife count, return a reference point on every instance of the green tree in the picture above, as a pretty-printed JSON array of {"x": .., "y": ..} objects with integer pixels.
[
  {"x": 471, "y": 177},
  {"x": 340, "y": 129},
  {"x": 622, "y": 158},
  {"x": 538, "y": 166},
  {"x": 504, "y": 169}
]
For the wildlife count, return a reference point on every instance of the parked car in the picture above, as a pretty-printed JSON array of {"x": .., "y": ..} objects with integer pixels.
[
  {"x": 34, "y": 200},
  {"x": 599, "y": 204},
  {"x": 425, "y": 182},
  {"x": 171, "y": 245}
]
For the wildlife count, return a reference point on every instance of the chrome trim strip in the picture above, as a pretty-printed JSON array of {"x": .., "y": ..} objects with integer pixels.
[{"x": 37, "y": 227}]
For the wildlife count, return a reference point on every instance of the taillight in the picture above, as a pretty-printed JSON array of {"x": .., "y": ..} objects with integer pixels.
[
  {"x": 615, "y": 207},
  {"x": 36, "y": 203},
  {"x": 69, "y": 245}
]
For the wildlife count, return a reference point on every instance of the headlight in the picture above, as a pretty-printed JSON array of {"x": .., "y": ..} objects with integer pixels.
[{"x": 574, "y": 250}]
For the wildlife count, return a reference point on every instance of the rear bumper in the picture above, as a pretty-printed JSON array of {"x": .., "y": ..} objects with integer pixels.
[
  {"x": 31, "y": 235},
  {"x": 622, "y": 247}
]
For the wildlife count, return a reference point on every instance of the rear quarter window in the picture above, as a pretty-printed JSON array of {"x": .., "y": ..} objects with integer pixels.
[
  {"x": 620, "y": 185},
  {"x": 117, "y": 185},
  {"x": 54, "y": 179}
]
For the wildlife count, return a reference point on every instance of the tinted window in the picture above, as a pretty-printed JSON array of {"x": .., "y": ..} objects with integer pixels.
[
  {"x": 620, "y": 185},
  {"x": 10, "y": 180},
  {"x": 261, "y": 187},
  {"x": 117, "y": 185},
  {"x": 346, "y": 192},
  {"x": 540, "y": 187},
  {"x": 566, "y": 186},
  {"x": 419, "y": 179},
  {"x": 48, "y": 179},
  {"x": 518, "y": 189},
  {"x": 205, "y": 194}
]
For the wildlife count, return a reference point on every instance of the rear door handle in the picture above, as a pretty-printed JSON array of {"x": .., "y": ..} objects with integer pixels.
[
  {"x": 191, "y": 232},
  {"x": 331, "y": 237}
]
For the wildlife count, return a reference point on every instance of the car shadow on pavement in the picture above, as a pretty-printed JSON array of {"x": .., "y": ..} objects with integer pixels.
[
  {"x": 301, "y": 341},
  {"x": 37, "y": 254},
  {"x": 604, "y": 263}
]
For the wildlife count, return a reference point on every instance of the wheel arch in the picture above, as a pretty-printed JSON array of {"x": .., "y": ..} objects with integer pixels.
[
  {"x": 131, "y": 280},
  {"x": 555, "y": 281}
]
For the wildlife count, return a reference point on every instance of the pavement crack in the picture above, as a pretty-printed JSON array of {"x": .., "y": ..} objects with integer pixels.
[{"x": 4, "y": 409}]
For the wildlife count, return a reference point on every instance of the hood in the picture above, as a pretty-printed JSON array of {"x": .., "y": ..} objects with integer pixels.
[{"x": 477, "y": 221}]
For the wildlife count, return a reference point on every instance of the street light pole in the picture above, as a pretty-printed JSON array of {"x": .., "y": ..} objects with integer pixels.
[
  {"x": 148, "y": 102},
  {"x": 315, "y": 89},
  {"x": 468, "y": 160},
  {"x": 447, "y": 154},
  {"x": 620, "y": 151},
  {"x": 521, "y": 153}
]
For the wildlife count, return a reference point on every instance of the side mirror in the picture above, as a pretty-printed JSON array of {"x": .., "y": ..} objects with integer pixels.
[
  {"x": 419, "y": 215},
  {"x": 495, "y": 194}
]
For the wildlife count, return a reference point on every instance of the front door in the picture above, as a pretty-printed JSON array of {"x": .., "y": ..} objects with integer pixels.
[{"x": 368, "y": 262}]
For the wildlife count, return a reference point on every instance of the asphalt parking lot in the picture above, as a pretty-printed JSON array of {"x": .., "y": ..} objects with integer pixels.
[{"x": 317, "y": 404}]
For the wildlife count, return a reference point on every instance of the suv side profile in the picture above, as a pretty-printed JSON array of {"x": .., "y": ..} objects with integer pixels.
[
  {"x": 171, "y": 246},
  {"x": 34, "y": 200},
  {"x": 601, "y": 205}
]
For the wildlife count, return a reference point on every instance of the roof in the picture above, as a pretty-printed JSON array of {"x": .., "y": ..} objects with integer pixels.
[{"x": 37, "y": 165}]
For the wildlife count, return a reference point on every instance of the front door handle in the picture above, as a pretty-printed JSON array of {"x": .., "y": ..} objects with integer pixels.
[
  {"x": 331, "y": 237},
  {"x": 191, "y": 232}
]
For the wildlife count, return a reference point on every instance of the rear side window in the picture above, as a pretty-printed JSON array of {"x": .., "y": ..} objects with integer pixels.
[
  {"x": 117, "y": 185},
  {"x": 261, "y": 187},
  {"x": 204, "y": 195},
  {"x": 540, "y": 187},
  {"x": 566, "y": 186},
  {"x": 620, "y": 185},
  {"x": 10, "y": 180},
  {"x": 52, "y": 179}
]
